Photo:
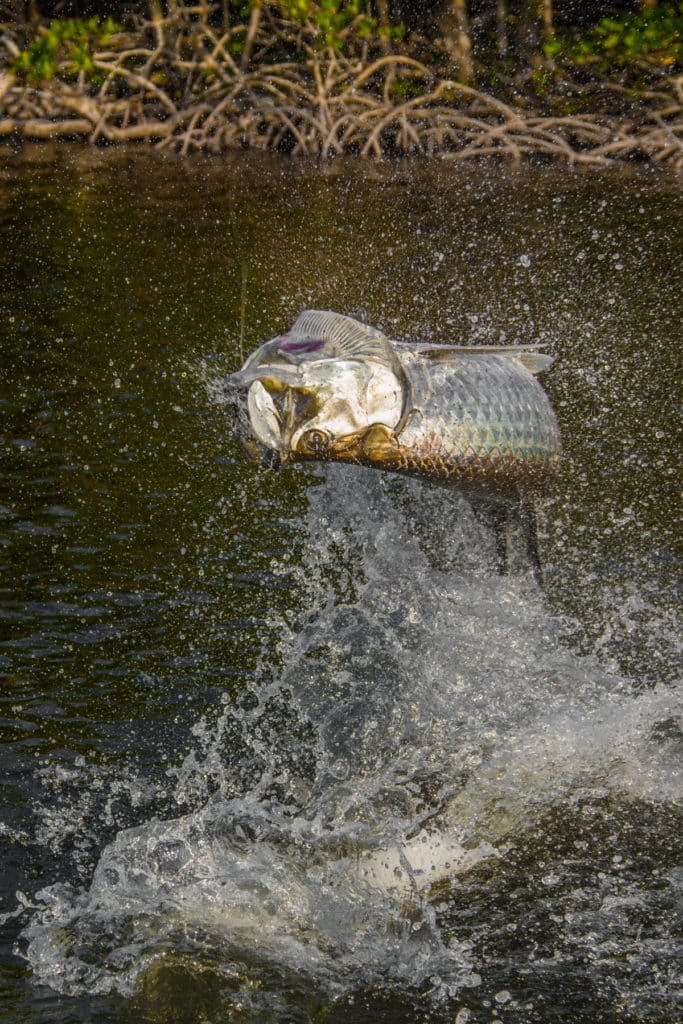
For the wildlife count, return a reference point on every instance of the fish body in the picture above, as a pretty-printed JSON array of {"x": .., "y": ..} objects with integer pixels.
[{"x": 334, "y": 389}]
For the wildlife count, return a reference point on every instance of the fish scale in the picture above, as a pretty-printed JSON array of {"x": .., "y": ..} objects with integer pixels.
[{"x": 478, "y": 420}]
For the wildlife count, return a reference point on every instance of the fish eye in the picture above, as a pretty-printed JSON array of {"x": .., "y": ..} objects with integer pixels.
[{"x": 315, "y": 441}]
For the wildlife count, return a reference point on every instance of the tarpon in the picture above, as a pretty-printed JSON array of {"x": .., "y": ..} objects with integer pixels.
[{"x": 334, "y": 389}]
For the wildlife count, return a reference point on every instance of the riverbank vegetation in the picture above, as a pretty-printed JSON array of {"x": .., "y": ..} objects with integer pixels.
[{"x": 456, "y": 79}]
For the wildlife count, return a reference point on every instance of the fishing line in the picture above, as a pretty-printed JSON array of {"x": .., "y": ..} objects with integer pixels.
[{"x": 243, "y": 308}]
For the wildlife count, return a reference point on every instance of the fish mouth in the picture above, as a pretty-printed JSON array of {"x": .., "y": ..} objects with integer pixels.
[{"x": 277, "y": 411}]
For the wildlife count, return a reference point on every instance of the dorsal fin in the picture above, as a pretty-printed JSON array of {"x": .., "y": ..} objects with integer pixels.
[
  {"x": 343, "y": 337},
  {"x": 528, "y": 355}
]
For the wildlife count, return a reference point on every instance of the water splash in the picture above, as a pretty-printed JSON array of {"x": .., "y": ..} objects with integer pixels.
[{"x": 423, "y": 719}]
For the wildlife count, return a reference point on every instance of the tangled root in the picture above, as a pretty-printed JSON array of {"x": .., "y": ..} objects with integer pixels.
[{"x": 176, "y": 83}]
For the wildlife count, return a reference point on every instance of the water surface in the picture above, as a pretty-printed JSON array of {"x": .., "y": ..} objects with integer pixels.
[{"x": 283, "y": 746}]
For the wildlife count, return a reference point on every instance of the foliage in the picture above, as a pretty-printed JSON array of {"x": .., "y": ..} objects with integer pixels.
[
  {"x": 653, "y": 37},
  {"x": 70, "y": 39},
  {"x": 334, "y": 20},
  {"x": 317, "y": 77},
  {"x": 406, "y": 88},
  {"x": 331, "y": 18}
]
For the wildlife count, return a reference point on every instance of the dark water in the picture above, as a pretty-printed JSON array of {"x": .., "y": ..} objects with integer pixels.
[{"x": 282, "y": 747}]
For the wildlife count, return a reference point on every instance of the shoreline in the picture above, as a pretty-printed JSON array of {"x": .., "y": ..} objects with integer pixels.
[
  {"x": 191, "y": 94},
  {"x": 446, "y": 132}
]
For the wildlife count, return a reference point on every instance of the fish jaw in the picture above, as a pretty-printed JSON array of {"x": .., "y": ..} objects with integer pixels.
[
  {"x": 263, "y": 416},
  {"x": 376, "y": 445}
]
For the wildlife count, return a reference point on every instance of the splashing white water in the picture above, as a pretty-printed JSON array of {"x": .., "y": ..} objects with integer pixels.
[{"x": 425, "y": 715}]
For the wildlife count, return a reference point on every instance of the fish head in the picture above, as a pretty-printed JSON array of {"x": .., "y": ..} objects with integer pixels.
[
  {"x": 319, "y": 390},
  {"x": 321, "y": 409}
]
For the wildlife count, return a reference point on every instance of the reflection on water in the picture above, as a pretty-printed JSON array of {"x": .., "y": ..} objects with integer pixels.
[{"x": 282, "y": 746}]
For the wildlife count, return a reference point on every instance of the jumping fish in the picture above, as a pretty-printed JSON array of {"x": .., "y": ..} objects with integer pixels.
[{"x": 335, "y": 389}]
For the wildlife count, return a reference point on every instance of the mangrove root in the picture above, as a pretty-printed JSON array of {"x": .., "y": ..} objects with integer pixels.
[{"x": 177, "y": 83}]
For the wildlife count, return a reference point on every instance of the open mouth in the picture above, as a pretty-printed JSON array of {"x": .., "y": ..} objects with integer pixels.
[{"x": 278, "y": 411}]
